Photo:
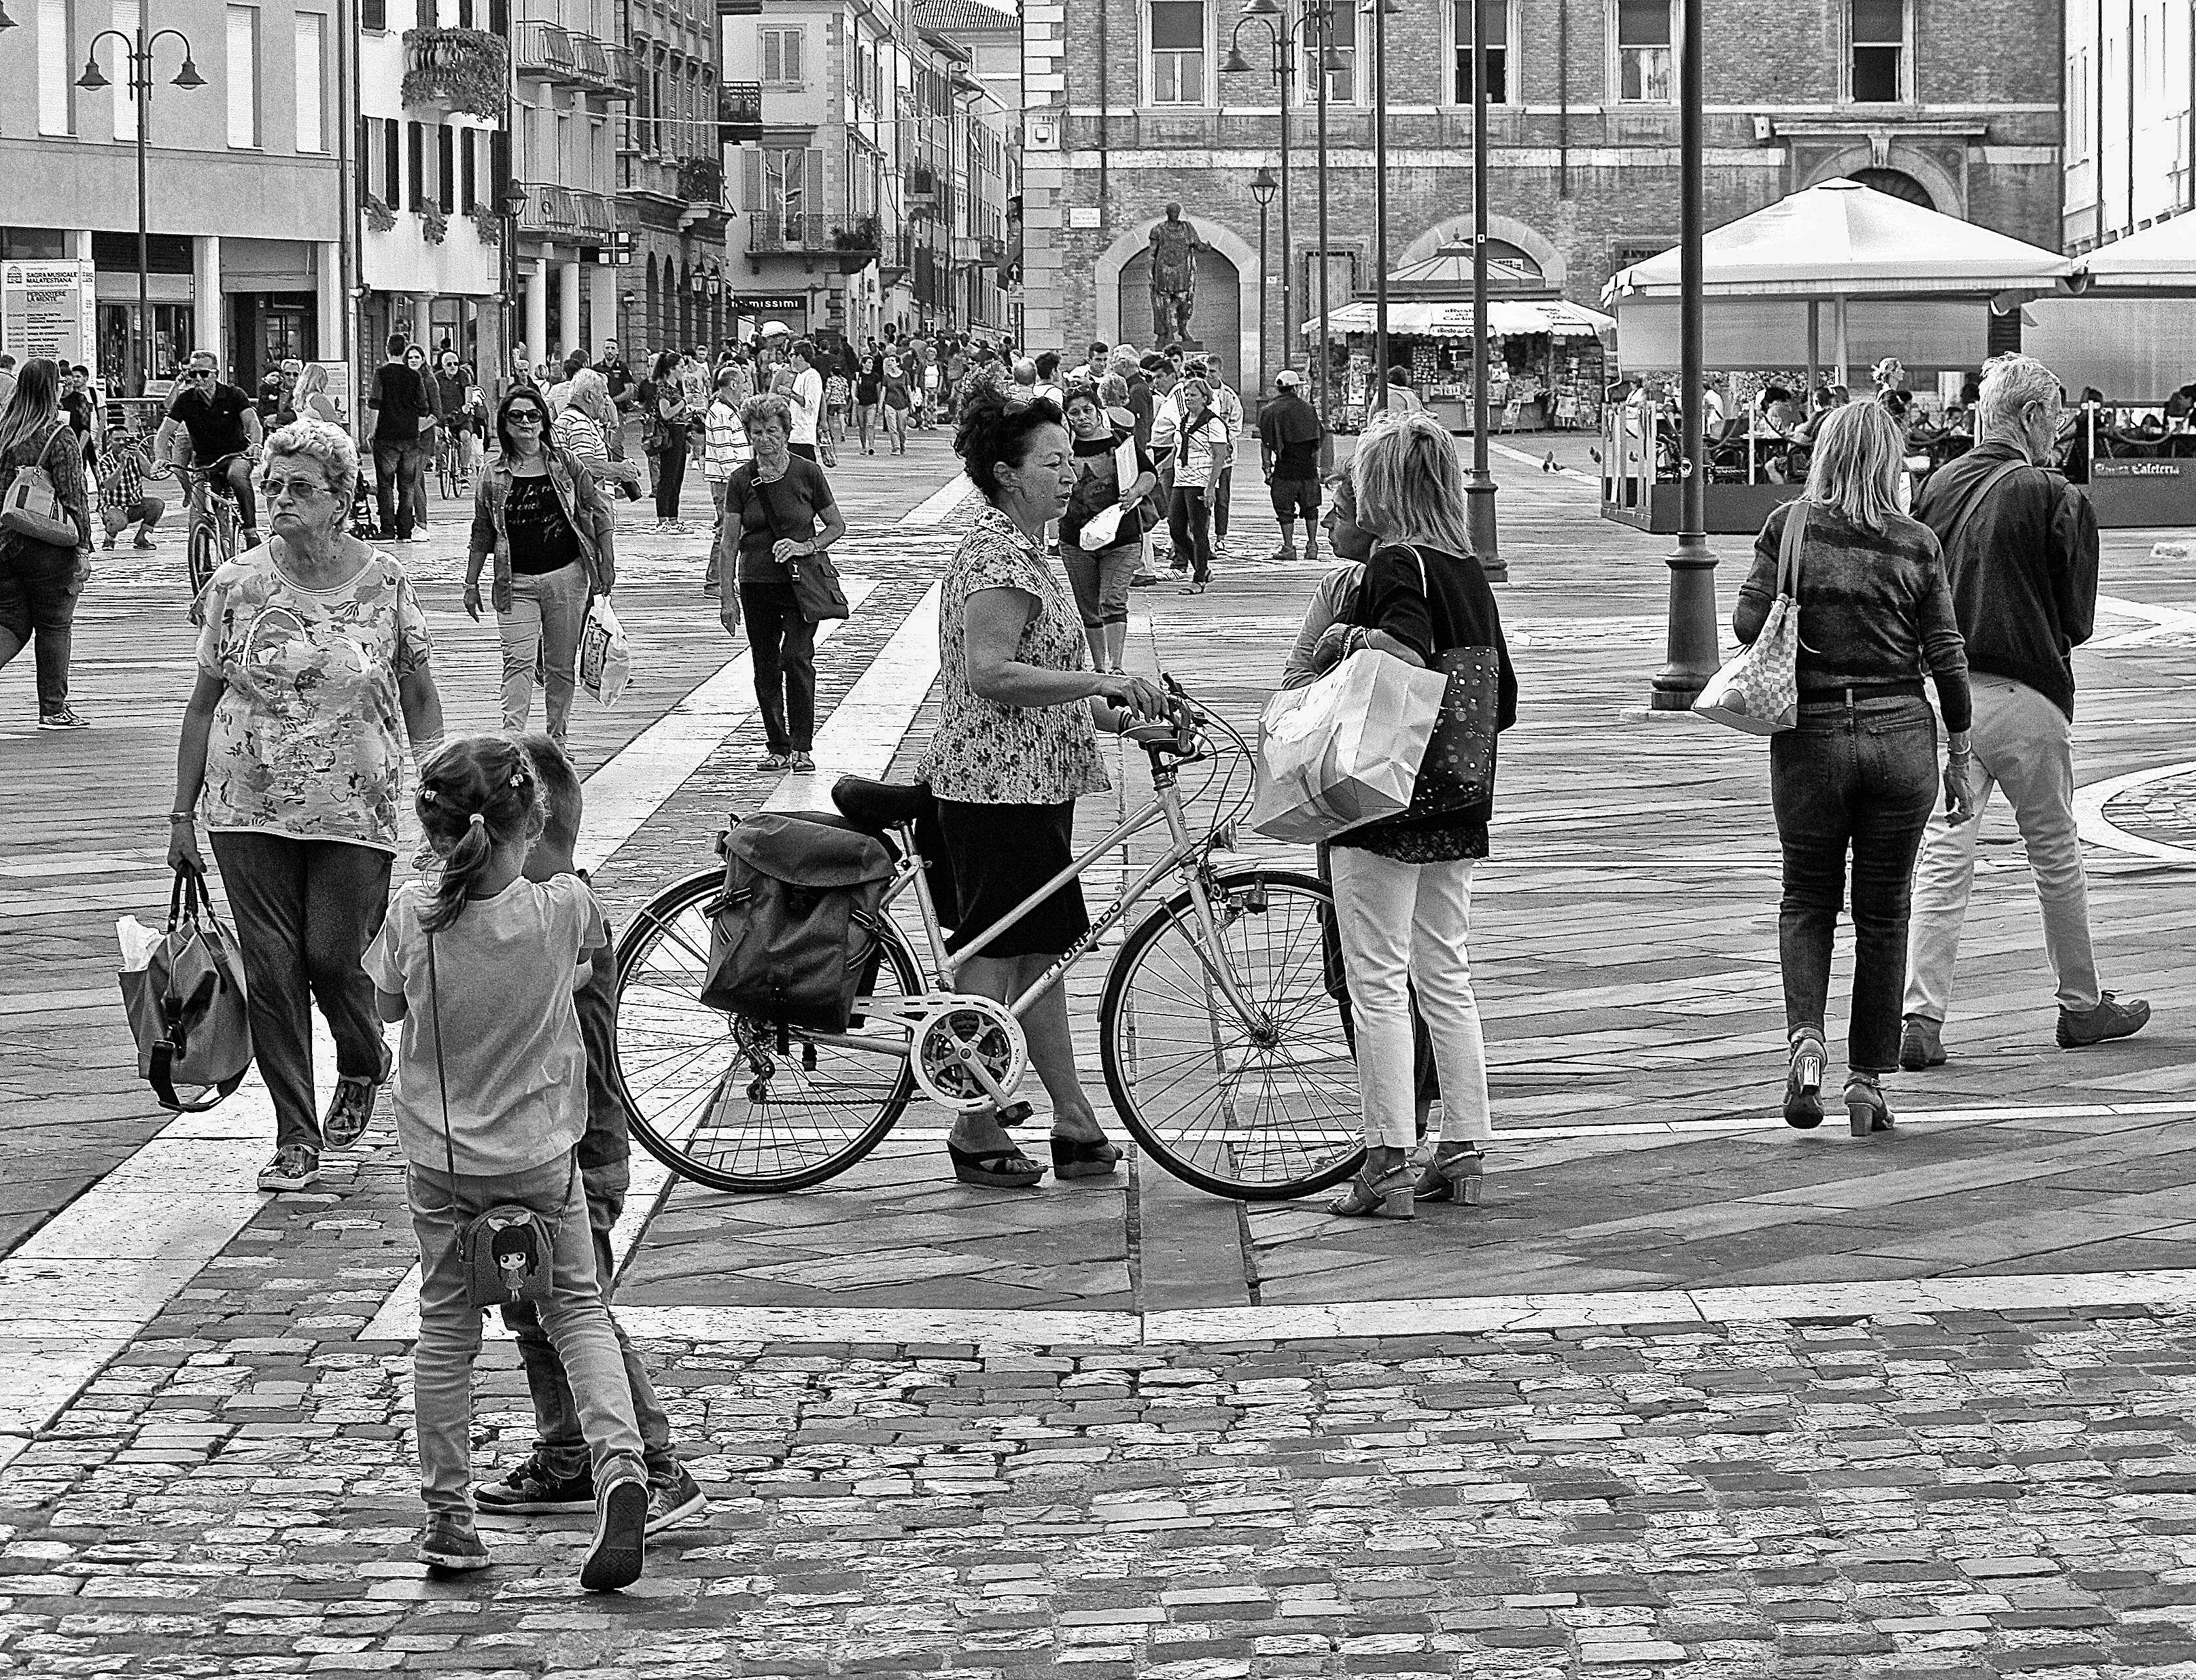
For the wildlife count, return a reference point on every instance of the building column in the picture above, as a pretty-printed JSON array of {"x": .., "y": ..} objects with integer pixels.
[
  {"x": 328, "y": 301},
  {"x": 568, "y": 305},
  {"x": 602, "y": 307},
  {"x": 205, "y": 293},
  {"x": 537, "y": 313}
]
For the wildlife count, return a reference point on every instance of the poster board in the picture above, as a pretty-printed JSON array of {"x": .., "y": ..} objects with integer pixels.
[{"x": 47, "y": 309}]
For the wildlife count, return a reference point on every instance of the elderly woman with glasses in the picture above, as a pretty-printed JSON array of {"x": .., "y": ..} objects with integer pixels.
[
  {"x": 314, "y": 675},
  {"x": 539, "y": 512}
]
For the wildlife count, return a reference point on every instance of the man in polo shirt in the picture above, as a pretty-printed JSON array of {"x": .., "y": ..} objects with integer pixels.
[{"x": 215, "y": 424}]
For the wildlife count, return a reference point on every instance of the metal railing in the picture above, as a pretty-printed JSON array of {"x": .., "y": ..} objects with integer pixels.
[
  {"x": 543, "y": 48},
  {"x": 567, "y": 212},
  {"x": 778, "y": 231}
]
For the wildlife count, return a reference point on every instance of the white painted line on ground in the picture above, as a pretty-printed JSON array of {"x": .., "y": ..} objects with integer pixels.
[
  {"x": 1536, "y": 461},
  {"x": 940, "y": 505},
  {"x": 2099, "y": 829},
  {"x": 2156, "y": 621}
]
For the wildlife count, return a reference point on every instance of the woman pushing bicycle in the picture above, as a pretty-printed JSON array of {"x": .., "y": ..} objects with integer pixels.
[{"x": 1016, "y": 744}]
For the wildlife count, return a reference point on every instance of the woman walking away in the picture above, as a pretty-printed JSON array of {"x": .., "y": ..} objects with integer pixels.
[
  {"x": 869, "y": 392},
  {"x": 778, "y": 512},
  {"x": 898, "y": 399},
  {"x": 539, "y": 512},
  {"x": 491, "y": 1105},
  {"x": 1202, "y": 449},
  {"x": 1402, "y": 886},
  {"x": 39, "y": 581},
  {"x": 313, "y": 673},
  {"x": 668, "y": 415},
  {"x": 1016, "y": 744},
  {"x": 1859, "y": 774},
  {"x": 1101, "y": 578}
]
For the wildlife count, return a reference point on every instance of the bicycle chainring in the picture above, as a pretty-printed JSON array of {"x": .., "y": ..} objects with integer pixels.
[{"x": 986, "y": 1030}]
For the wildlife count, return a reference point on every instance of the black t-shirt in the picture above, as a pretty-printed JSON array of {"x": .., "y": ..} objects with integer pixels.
[
  {"x": 400, "y": 403},
  {"x": 541, "y": 539},
  {"x": 1097, "y": 484},
  {"x": 1289, "y": 429},
  {"x": 214, "y": 417},
  {"x": 786, "y": 507}
]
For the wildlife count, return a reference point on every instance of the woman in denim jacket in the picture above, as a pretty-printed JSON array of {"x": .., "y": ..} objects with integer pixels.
[{"x": 539, "y": 512}]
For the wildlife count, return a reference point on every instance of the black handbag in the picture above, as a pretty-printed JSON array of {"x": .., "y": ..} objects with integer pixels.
[{"x": 1457, "y": 772}]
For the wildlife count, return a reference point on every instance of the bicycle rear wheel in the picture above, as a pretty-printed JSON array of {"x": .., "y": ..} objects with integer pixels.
[
  {"x": 1263, "y": 1112},
  {"x": 738, "y": 1104}
]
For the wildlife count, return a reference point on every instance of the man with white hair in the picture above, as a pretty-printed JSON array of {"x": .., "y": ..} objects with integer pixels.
[{"x": 2020, "y": 548}]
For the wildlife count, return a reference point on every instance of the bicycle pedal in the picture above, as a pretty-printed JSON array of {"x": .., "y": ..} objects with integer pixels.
[{"x": 1015, "y": 1113}]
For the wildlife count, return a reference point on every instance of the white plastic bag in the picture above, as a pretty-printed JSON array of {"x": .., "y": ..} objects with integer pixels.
[
  {"x": 605, "y": 657},
  {"x": 1345, "y": 751}
]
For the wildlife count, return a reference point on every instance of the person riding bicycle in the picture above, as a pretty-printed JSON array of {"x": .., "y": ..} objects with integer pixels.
[
  {"x": 217, "y": 424},
  {"x": 453, "y": 393}
]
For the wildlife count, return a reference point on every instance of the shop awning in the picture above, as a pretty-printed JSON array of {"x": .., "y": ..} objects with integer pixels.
[
  {"x": 1414, "y": 317},
  {"x": 2162, "y": 258},
  {"x": 1842, "y": 239}
]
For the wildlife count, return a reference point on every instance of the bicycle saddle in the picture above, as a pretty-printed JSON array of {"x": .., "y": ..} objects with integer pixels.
[{"x": 877, "y": 806}]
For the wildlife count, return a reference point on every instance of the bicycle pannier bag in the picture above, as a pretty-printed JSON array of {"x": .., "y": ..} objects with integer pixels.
[
  {"x": 791, "y": 935},
  {"x": 33, "y": 507}
]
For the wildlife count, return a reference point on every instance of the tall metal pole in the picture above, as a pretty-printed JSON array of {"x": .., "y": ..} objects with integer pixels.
[
  {"x": 1285, "y": 45},
  {"x": 1479, "y": 484},
  {"x": 141, "y": 91},
  {"x": 1691, "y": 645},
  {"x": 1378, "y": 393},
  {"x": 1324, "y": 11},
  {"x": 1263, "y": 205}
]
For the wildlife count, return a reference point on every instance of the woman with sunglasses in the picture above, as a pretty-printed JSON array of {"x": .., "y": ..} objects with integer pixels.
[{"x": 537, "y": 511}]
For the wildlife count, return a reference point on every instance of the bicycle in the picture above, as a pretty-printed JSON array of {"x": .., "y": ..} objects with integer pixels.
[
  {"x": 1225, "y": 1041},
  {"x": 450, "y": 466},
  {"x": 215, "y": 520}
]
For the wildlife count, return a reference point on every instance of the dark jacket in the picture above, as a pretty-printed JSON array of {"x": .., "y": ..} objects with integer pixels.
[
  {"x": 2024, "y": 572},
  {"x": 1874, "y": 607},
  {"x": 584, "y": 508},
  {"x": 1453, "y": 608}
]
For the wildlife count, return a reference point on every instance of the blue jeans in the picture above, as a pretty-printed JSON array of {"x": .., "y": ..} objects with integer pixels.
[
  {"x": 1857, "y": 779},
  {"x": 560, "y": 1441},
  {"x": 400, "y": 472},
  {"x": 576, "y": 1320}
]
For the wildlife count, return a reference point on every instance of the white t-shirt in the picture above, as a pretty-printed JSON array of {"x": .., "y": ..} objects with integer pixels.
[
  {"x": 807, "y": 399},
  {"x": 505, "y": 971}
]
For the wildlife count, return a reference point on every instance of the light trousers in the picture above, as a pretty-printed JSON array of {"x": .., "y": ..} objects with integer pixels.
[
  {"x": 541, "y": 634},
  {"x": 1406, "y": 925},
  {"x": 2024, "y": 745}
]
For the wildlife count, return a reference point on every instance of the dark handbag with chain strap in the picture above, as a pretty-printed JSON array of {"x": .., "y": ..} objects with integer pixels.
[{"x": 1457, "y": 772}]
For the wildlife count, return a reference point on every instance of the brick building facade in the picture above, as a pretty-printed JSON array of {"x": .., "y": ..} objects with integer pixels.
[{"x": 1954, "y": 103}]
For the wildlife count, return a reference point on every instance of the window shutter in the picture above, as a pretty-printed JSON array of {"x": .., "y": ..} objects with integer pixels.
[
  {"x": 794, "y": 38},
  {"x": 468, "y": 173},
  {"x": 773, "y": 56},
  {"x": 445, "y": 172},
  {"x": 751, "y": 179},
  {"x": 415, "y": 164},
  {"x": 812, "y": 201}
]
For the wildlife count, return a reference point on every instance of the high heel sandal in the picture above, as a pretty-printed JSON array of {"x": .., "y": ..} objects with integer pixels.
[
  {"x": 1866, "y": 1108},
  {"x": 1386, "y": 1196},
  {"x": 1083, "y": 1158},
  {"x": 1458, "y": 1176},
  {"x": 1006, "y": 1168},
  {"x": 1803, "y": 1082}
]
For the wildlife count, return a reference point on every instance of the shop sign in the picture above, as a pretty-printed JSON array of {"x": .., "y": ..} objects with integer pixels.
[
  {"x": 46, "y": 310},
  {"x": 772, "y": 303}
]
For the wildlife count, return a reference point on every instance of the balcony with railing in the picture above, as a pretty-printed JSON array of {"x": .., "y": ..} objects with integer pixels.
[
  {"x": 466, "y": 70},
  {"x": 739, "y": 113},
  {"x": 551, "y": 51},
  {"x": 568, "y": 213}
]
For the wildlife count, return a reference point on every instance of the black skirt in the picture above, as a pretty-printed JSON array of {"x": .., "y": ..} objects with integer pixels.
[{"x": 1001, "y": 854}]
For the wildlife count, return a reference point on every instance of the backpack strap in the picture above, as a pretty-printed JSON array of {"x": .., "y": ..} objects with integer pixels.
[{"x": 1989, "y": 482}]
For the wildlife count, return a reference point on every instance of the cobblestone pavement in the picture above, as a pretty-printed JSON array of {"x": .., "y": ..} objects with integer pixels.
[{"x": 1693, "y": 1395}]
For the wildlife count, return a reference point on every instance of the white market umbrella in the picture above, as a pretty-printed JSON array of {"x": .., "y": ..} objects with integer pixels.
[{"x": 2160, "y": 258}]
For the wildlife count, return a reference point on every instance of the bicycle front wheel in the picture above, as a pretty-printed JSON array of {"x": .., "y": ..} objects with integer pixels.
[
  {"x": 734, "y": 1103},
  {"x": 1264, "y": 1109},
  {"x": 204, "y": 555}
]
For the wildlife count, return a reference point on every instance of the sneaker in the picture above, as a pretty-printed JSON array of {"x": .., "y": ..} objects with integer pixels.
[
  {"x": 772, "y": 764},
  {"x": 64, "y": 718},
  {"x": 293, "y": 1168},
  {"x": 530, "y": 1490},
  {"x": 1220, "y": 546},
  {"x": 1922, "y": 1045},
  {"x": 449, "y": 1541},
  {"x": 804, "y": 761},
  {"x": 109, "y": 544},
  {"x": 613, "y": 1558},
  {"x": 672, "y": 1503},
  {"x": 349, "y": 1111},
  {"x": 2110, "y": 1019}
]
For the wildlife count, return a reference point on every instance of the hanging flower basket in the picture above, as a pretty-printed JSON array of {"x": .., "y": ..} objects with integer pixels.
[
  {"x": 465, "y": 70},
  {"x": 378, "y": 216},
  {"x": 487, "y": 224},
  {"x": 434, "y": 226}
]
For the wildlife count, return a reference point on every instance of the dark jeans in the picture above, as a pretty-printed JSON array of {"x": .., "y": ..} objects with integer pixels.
[
  {"x": 306, "y": 912},
  {"x": 671, "y": 473},
  {"x": 38, "y": 587},
  {"x": 1859, "y": 778},
  {"x": 1189, "y": 522},
  {"x": 399, "y": 472},
  {"x": 560, "y": 1442},
  {"x": 783, "y": 644},
  {"x": 1221, "y": 498}
]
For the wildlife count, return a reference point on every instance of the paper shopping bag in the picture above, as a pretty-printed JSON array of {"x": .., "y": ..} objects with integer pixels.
[{"x": 1345, "y": 751}]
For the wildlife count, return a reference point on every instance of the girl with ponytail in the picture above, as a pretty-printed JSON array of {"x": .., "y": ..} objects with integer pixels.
[{"x": 480, "y": 964}]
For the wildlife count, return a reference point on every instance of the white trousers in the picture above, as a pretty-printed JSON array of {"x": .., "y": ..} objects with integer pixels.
[{"x": 1405, "y": 925}]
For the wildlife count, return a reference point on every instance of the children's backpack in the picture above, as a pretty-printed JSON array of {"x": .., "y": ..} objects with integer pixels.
[{"x": 793, "y": 932}]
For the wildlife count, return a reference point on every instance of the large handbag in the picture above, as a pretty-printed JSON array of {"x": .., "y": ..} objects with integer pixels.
[
  {"x": 814, "y": 577},
  {"x": 1113, "y": 524},
  {"x": 1346, "y": 750},
  {"x": 1457, "y": 772},
  {"x": 32, "y": 507},
  {"x": 1759, "y": 690},
  {"x": 183, "y": 992}
]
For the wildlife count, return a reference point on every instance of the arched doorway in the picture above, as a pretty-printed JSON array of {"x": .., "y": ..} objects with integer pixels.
[
  {"x": 1896, "y": 184},
  {"x": 1215, "y": 322}
]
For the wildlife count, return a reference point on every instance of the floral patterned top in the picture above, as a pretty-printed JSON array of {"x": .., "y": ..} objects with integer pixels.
[
  {"x": 307, "y": 735},
  {"x": 986, "y": 753}
]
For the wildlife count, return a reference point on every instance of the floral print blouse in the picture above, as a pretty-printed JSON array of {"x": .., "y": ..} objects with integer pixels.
[
  {"x": 307, "y": 739},
  {"x": 986, "y": 753}
]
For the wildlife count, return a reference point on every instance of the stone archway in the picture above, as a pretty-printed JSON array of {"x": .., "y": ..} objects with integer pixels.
[
  {"x": 1527, "y": 238},
  {"x": 1946, "y": 191},
  {"x": 1241, "y": 352}
]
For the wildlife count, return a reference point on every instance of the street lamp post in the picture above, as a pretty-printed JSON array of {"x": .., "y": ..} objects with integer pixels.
[
  {"x": 1479, "y": 484},
  {"x": 1263, "y": 188},
  {"x": 1690, "y": 646},
  {"x": 1320, "y": 14},
  {"x": 138, "y": 53},
  {"x": 1378, "y": 393}
]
